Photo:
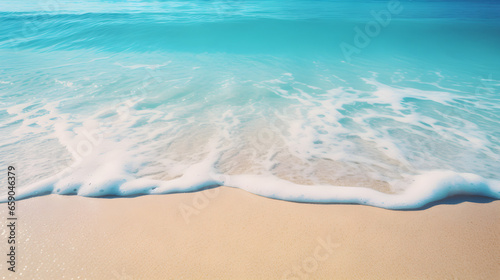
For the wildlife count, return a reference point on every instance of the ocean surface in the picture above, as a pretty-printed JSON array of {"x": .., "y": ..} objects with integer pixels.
[{"x": 393, "y": 104}]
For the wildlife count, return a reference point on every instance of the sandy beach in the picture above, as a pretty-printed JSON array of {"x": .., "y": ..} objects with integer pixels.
[
  {"x": 227, "y": 233},
  {"x": 230, "y": 139}
]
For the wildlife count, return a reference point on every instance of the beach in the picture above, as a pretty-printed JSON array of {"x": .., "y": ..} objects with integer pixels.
[
  {"x": 227, "y": 233},
  {"x": 252, "y": 139}
]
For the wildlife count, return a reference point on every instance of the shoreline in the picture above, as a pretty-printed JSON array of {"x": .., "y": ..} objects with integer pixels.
[
  {"x": 227, "y": 233},
  {"x": 427, "y": 188}
]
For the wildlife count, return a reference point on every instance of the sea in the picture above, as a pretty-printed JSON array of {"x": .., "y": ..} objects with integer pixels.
[{"x": 393, "y": 104}]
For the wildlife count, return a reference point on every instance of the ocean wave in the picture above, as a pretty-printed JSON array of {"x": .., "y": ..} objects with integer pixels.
[{"x": 122, "y": 101}]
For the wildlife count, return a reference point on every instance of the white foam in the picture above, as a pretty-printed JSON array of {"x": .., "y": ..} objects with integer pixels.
[
  {"x": 426, "y": 188},
  {"x": 265, "y": 127}
]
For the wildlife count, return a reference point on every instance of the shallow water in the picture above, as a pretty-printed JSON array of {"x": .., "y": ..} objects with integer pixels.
[{"x": 387, "y": 103}]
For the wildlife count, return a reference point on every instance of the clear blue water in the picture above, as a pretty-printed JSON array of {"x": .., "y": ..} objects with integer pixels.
[{"x": 286, "y": 99}]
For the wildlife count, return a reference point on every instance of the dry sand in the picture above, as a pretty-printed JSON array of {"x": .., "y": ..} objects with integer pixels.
[{"x": 230, "y": 234}]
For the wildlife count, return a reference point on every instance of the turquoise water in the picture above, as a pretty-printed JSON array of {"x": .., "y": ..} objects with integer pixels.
[{"x": 388, "y": 103}]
